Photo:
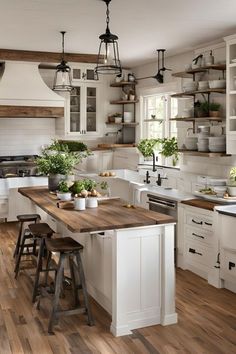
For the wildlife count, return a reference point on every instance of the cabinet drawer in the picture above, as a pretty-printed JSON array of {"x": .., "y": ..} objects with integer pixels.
[
  {"x": 228, "y": 265},
  {"x": 199, "y": 221},
  {"x": 201, "y": 235},
  {"x": 196, "y": 253}
]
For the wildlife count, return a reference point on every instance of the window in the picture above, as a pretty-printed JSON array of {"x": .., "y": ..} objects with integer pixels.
[{"x": 158, "y": 109}]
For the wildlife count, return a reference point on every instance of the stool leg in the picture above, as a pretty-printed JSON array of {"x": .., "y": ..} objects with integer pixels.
[
  {"x": 16, "y": 251},
  {"x": 84, "y": 288},
  {"x": 38, "y": 269},
  {"x": 49, "y": 257},
  {"x": 58, "y": 285},
  {"x": 73, "y": 282},
  {"x": 17, "y": 266}
]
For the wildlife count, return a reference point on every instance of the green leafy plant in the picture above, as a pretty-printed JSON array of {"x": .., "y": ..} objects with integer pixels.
[
  {"x": 232, "y": 177},
  {"x": 77, "y": 187},
  {"x": 204, "y": 107},
  {"x": 74, "y": 145},
  {"x": 57, "y": 159},
  {"x": 169, "y": 147},
  {"x": 63, "y": 187},
  {"x": 89, "y": 184},
  {"x": 147, "y": 146},
  {"x": 213, "y": 106},
  {"x": 104, "y": 185}
]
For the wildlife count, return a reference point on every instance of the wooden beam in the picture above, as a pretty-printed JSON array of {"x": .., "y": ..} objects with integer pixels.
[
  {"x": 31, "y": 112},
  {"x": 45, "y": 57}
]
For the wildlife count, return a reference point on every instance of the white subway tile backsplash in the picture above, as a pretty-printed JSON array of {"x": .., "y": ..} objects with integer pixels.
[{"x": 25, "y": 135}]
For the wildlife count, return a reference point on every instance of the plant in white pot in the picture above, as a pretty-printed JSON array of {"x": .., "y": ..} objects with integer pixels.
[
  {"x": 63, "y": 192},
  {"x": 57, "y": 162},
  {"x": 231, "y": 184}
]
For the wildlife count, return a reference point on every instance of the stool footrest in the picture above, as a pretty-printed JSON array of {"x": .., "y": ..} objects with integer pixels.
[{"x": 70, "y": 312}]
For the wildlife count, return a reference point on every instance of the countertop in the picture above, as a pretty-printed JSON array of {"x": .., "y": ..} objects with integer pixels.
[
  {"x": 109, "y": 215},
  {"x": 229, "y": 210},
  {"x": 200, "y": 203},
  {"x": 165, "y": 192}
]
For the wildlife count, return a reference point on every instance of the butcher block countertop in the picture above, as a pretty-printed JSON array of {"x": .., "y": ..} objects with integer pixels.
[
  {"x": 110, "y": 214},
  {"x": 200, "y": 203}
]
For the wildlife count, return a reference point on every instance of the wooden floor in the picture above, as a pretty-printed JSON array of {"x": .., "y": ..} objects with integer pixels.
[{"x": 207, "y": 319}]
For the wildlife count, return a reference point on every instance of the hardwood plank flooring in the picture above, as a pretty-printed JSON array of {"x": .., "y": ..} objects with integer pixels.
[{"x": 207, "y": 319}]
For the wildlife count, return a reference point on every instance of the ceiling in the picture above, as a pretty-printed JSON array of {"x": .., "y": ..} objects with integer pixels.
[{"x": 142, "y": 26}]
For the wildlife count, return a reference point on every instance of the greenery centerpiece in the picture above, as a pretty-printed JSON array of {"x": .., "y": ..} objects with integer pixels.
[
  {"x": 57, "y": 162},
  {"x": 63, "y": 192},
  {"x": 231, "y": 183},
  {"x": 148, "y": 146}
]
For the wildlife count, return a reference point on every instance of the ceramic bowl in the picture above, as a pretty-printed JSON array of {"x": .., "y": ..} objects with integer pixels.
[
  {"x": 217, "y": 148},
  {"x": 217, "y": 140},
  {"x": 191, "y": 143},
  {"x": 64, "y": 196},
  {"x": 231, "y": 190},
  {"x": 203, "y": 85}
]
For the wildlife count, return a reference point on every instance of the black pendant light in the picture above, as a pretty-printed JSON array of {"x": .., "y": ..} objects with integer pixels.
[
  {"x": 108, "y": 61},
  {"x": 62, "y": 80},
  {"x": 159, "y": 75}
]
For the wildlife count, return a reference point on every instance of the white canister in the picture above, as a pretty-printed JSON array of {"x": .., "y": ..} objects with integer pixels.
[
  {"x": 79, "y": 203},
  {"x": 92, "y": 202}
]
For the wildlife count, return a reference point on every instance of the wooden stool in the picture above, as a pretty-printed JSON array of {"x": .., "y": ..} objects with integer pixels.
[
  {"x": 40, "y": 232},
  {"x": 22, "y": 219},
  {"x": 68, "y": 248}
]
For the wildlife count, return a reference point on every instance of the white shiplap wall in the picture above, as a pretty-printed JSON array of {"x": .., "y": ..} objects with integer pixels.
[{"x": 25, "y": 135}]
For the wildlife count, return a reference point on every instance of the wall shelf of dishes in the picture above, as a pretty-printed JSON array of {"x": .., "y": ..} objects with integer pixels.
[
  {"x": 203, "y": 69},
  {"x": 203, "y": 154}
]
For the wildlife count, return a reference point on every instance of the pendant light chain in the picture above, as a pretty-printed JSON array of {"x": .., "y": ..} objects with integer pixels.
[
  {"x": 108, "y": 17},
  {"x": 63, "y": 45}
]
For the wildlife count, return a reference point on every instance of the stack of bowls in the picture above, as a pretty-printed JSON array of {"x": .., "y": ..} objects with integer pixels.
[
  {"x": 203, "y": 85},
  {"x": 191, "y": 142},
  {"x": 217, "y": 143},
  {"x": 214, "y": 84},
  {"x": 190, "y": 86},
  {"x": 203, "y": 138}
]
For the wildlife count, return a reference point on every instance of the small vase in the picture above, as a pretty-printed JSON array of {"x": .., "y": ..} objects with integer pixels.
[
  {"x": 79, "y": 203},
  {"x": 92, "y": 202}
]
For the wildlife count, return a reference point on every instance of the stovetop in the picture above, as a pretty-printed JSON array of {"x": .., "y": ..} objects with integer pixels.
[{"x": 17, "y": 159}]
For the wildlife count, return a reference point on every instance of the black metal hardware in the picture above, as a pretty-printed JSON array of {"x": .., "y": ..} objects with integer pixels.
[
  {"x": 231, "y": 265},
  {"x": 196, "y": 222},
  {"x": 84, "y": 76},
  {"x": 217, "y": 261},
  {"x": 147, "y": 180},
  {"x": 193, "y": 233},
  {"x": 154, "y": 162},
  {"x": 192, "y": 250},
  {"x": 207, "y": 223},
  {"x": 159, "y": 179},
  {"x": 62, "y": 80}
]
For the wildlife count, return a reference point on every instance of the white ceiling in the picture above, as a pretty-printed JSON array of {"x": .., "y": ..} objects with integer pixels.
[{"x": 142, "y": 26}]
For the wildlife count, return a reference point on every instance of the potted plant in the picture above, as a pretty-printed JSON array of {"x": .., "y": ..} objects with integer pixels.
[
  {"x": 169, "y": 148},
  {"x": 63, "y": 192},
  {"x": 57, "y": 162},
  {"x": 231, "y": 184},
  {"x": 85, "y": 189},
  {"x": 147, "y": 147},
  {"x": 203, "y": 109},
  {"x": 214, "y": 109}
]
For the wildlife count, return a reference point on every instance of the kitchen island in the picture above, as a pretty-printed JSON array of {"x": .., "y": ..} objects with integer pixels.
[{"x": 128, "y": 258}]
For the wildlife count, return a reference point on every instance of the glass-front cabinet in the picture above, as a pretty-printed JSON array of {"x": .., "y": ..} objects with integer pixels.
[{"x": 83, "y": 109}]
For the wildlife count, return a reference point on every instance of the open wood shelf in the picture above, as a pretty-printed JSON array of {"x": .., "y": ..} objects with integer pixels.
[
  {"x": 123, "y": 123},
  {"x": 203, "y": 154},
  {"x": 123, "y": 102},
  {"x": 189, "y": 73},
  {"x": 123, "y": 83},
  {"x": 153, "y": 120},
  {"x": 193, "y": 93},
  {"x": 199, "y": 119}
]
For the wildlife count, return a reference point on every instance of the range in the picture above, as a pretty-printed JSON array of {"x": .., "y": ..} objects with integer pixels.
[{"x": 18, "y": 166}]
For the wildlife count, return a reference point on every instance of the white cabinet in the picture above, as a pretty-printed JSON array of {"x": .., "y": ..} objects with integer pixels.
[
  {"x": 98, "y": 161},
  {"x": 231, "y": 94},
  {"x": 198, "y": 245},
  {"x": 226, "y": 228}
]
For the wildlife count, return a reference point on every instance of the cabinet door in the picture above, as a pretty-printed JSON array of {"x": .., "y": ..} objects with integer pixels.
[
  {"x": 91, "y": 109},
  {"x": 75, "y": 119}
]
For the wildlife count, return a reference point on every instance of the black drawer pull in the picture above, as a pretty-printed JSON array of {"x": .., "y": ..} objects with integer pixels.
[
  {"x": 193, "y": 233},
  {"x": 207, "y": 223},
  {"x": 197, "y": 222},
  {"x": 231, "y": 265},
  {"x": 192, "y": 250}
]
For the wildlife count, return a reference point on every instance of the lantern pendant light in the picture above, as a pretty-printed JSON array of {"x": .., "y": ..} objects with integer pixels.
[
  {"x": 108, "y": 61},
  {"x": 62, "y": 80}
]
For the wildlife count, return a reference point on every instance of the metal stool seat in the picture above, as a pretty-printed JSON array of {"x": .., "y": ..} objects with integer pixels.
[
  {"x": 68, "y": 249},
  {"x": 22, "y": 219}
]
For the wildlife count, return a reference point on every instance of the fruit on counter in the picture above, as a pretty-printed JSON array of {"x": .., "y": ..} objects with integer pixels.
[{"x": 107, "y": 174}]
